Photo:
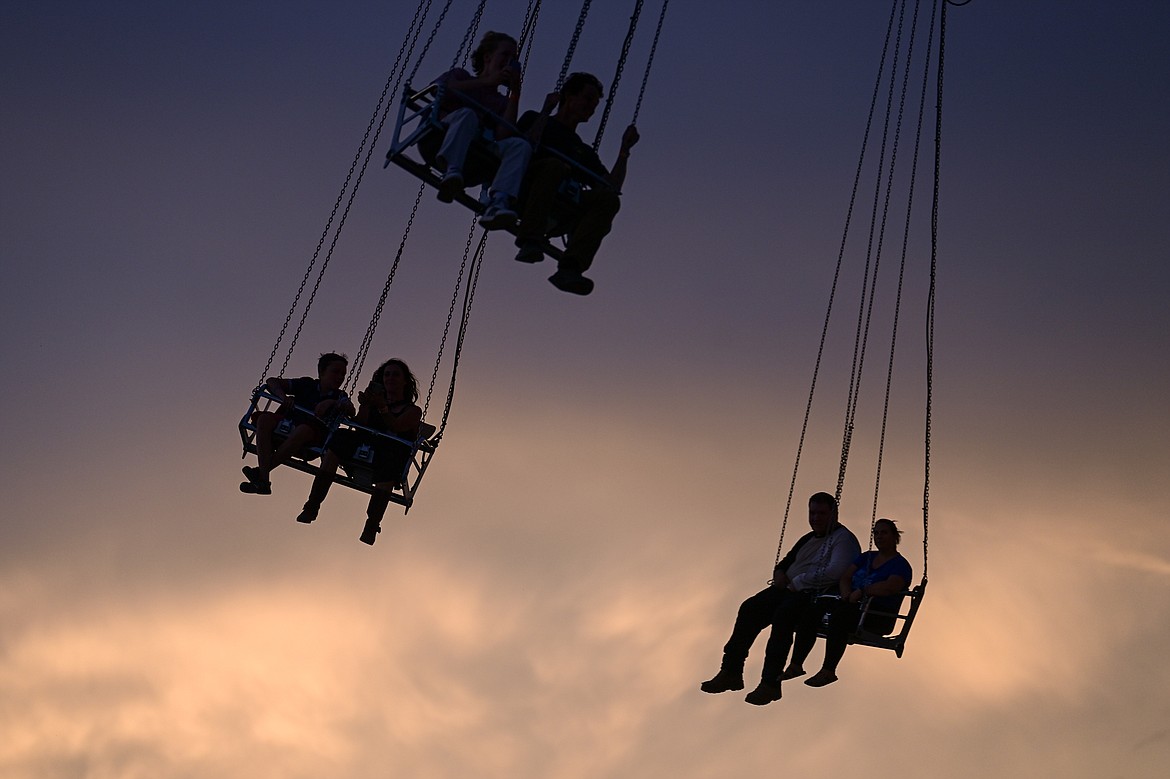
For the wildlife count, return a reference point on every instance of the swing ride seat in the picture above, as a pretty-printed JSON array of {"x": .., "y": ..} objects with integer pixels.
[
  {"x": 419, "y": 127},
  {"x": 895, "y": 637},
  {"x": 356, "y": 473}
]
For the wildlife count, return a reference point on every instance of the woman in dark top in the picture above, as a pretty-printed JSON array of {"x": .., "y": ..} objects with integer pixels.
[
  {"x": 386, "y": 405},
  {"x": 880, "y": 575}
]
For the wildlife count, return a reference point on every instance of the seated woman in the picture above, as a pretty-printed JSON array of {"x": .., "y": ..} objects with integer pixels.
[
  {"x": 494, "y": 63},
  {"x": 386, "y": 405},
  {"x": 881, "y": 576}
]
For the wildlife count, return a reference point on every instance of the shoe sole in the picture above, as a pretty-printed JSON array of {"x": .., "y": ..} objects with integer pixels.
[
  {"x": 763, "y": 699},
  {"x": 572, "y": 286},
  {"x": 815, "y": 682},
  {"x": 448, "y": 191},
  {"x": 720, "y": 689},
  {"x": 530, "y": 256},
  {"x": 502, "y": 222}
]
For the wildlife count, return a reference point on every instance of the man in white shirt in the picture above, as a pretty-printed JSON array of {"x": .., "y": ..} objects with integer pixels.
[{"x": 812, "y": 567}]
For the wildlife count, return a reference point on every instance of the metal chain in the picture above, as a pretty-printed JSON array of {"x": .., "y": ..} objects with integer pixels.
[
  {"x": 938, "y": 125},
  {"x": 450, "y": 315},
  {"x": 430, "y": 39},
  {"x": 528, "y": 29},
  {"x": 573, "y": 43},
  {"x": 469, "y": 296},
  {"x": 419, "y": 16},
  {"x": 617, "y": 76},
  {"x": 467, "y": 46},
  {"x": 869, "y": 283},
  {"x": 650, "y": 62},
  {"x": 833, "y": 289},
  {"x": 368, "y": 339},
  {"x": 905, "y": 246}
]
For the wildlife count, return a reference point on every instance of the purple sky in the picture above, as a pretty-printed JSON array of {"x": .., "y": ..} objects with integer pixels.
[{"x": 614, "y": 476}]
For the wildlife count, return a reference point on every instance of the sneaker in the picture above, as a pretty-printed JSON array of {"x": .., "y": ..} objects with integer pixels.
[
  {"x": 572, "y": 282},
  {"x": 497, "y": 217},
  {"x": 450, "y": 185},
  {"x": 820, "y": 679},
  {"x": 723, "y": 681},
  {"x": 370, "y": 532},
  {"x": 764, "y": 694},
  {"x": 256, "y": 488},
  {"x": 792, "y": 672},
  {"x": 308, "y": 514},
  {"x": 530, "y": 251},
  {"x": 256, "y": 483}
]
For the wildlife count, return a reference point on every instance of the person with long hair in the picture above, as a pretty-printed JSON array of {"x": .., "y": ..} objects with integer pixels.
[
  {"x": 495, "y": 65},
  {"x": 387, "y": 405}
]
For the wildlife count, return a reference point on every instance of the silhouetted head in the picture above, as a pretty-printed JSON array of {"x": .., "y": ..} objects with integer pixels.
[
  {"x": 886, "y": 534},
  {"x": 822, "y": 513},
  {"x": 396, "y": 377},
  {"x": 580, "y": 95},
  {"x": 493, "y": 46},
  {"x": 331, "y": 370}
]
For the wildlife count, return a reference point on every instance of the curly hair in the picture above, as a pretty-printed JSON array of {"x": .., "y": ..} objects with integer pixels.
[{"x": 489, "y": 43}]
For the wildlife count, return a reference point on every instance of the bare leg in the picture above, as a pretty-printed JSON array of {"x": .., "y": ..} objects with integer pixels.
[
  {"x": 266, "y": 422},
  {"x": 320, "y": 489},
  {"x": 298, "y": 439}
]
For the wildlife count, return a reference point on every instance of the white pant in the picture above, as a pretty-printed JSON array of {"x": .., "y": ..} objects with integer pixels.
[{"x": 462, "y": 129}]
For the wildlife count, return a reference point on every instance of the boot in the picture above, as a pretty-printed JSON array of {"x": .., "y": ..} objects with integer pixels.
[
  {"x": 317, "y": 493},
  {"x": 727, "y": 679},
  {"x": 370, "y": 532},
  {"x": 765, "y": 693},
  {"x": 374, "y": 513}
]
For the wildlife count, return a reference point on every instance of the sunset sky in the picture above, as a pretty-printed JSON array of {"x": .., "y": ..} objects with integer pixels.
[{"x": 614, "y": 475}]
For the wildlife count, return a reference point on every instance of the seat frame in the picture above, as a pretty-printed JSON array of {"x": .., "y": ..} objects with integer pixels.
[
  {"x": 356, "y": 473},
  {"x": 418, "y": 123},
  {"x": 895, "y": 640}
]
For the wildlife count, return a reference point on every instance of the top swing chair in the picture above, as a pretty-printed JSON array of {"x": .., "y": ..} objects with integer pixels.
[
  {"x": 418, "y": 131},
  {"x": 358, "y": 473},
  {"x": 904, "y": 57}
]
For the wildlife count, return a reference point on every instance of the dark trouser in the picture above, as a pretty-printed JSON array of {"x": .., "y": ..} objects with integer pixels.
[
  {"x": 799, "y": 612},
  {"x": 598, "y": 209},
  {"x": 843, "y": 619},
  {"x": 755, "y": 614}
]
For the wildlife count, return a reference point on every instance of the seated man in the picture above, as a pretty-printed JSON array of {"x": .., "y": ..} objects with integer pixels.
[
  {"x": 323, "y": 395},
  {"x": 575, "y": 103},
  {"x": 494, "y": 62},
  {"x": 812, "y": 567}
]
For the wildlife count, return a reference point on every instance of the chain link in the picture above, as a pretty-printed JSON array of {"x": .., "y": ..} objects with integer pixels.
[
  {"x": 650, "y": 62},
  {"x": 415, "y": 28},
  {"x": 617, "y": 76},
  {"x": 450, "y": 314},
  {"x": 573, "y": 44}
]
